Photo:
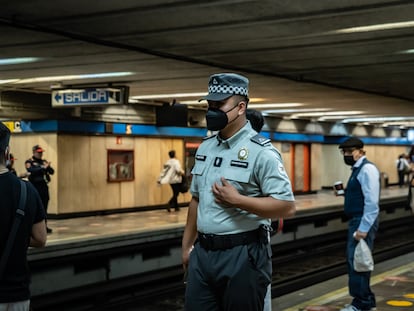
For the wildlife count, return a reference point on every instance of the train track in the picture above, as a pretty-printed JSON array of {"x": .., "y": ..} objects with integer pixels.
[{"x": 295, "y": 264}]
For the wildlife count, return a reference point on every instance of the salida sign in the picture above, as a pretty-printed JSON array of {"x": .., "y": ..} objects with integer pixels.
[{"x": 89, "y": 96}]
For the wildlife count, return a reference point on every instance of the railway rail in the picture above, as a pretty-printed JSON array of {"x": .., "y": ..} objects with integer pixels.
[{"x": 295, "y": 264}]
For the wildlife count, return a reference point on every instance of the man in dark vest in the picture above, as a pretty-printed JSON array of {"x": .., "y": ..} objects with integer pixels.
[{"x": 362, "y": 208}]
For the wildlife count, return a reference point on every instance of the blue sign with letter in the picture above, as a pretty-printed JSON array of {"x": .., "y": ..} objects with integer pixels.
[{"x": 89, "y": 96}]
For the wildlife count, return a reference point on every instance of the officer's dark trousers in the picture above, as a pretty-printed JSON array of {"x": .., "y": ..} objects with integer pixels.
[
  {"x": 359, "y": 282},
  {"x": 43, "y": 191},
  {"x": 232, "y": 279}
]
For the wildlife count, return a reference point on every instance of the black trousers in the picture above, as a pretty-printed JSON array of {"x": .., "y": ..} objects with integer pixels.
[
  {"x": 43, "y": 191},
  {"x": 401, "y": 176},
  {"x": 173, "y": 203},
  {"x": 228, "y": 280}
]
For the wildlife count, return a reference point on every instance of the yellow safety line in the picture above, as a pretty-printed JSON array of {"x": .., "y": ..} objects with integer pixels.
[{"x": 324, "y": 299}]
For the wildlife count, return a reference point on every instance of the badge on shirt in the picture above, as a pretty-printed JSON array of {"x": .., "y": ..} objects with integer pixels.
[{"x": 243, "y": 153}]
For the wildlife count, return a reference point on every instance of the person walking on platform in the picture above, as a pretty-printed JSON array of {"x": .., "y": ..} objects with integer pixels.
[
  {"x": 28, "y": 219},
  {"x": 39, "y": 171},
  {"x": 403, "y": 168},
  {"x": 239, "y": 184},
  {"x": 172, "y": 174},
  {"x": 362, "y": 208}
]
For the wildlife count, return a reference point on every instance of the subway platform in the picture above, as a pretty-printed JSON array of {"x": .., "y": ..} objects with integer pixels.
[
  {"x": 392, "y": 282},
  {"x": 120, "y": 224},
  {"x": 95, "y": 250}
]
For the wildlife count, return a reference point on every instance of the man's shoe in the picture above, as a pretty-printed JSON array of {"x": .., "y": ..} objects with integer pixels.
[{"x": 48, "y": 230}]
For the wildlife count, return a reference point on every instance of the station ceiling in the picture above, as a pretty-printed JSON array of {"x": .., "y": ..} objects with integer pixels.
[{"x": 330, "y": 60}]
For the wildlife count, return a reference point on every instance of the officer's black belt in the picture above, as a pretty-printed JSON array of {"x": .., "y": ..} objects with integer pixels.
[{"x": 221, "y": 242}]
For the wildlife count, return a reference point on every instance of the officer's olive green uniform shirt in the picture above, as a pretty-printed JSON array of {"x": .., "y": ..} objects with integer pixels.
[{"x": 255, "y": 168}]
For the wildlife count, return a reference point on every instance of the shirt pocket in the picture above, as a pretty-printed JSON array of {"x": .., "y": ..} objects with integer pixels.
[
  {"x": 198, "y": 169},
  {"x": 239, "y": 175}
]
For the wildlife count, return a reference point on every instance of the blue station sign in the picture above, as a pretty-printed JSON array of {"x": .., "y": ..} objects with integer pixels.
[{"x": 89, "y": 97}]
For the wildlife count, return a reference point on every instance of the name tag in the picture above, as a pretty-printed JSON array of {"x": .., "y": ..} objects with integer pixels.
[{"x": 239, "y": 163}]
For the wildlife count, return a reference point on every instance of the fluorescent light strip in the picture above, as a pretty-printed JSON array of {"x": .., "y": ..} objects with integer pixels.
[
  {"x": 8, "y": 81},
  {"x": 68, "y": 77},
  {"x": 274, "y": 105},
  {"x": 329, "y": 113},
  {"x": 410, "y": 51},
  {"x": 192, "y": 102},
  {"x": 18, "y": 60},
  {"x": 377, "y": 27},
  {"x": 377, "y": 119},
  {"x": 284, "y": 111},
  {"x": 176, "y": 95}
]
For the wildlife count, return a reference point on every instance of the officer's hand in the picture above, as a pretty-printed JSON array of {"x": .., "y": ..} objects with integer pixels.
[
  {"x": 185, "y": 257},
  {"x": 225, "y": 194}
]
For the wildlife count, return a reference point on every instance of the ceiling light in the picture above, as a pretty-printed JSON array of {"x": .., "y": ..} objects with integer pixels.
[
  {"x": 377, "y": 119},
  {"x": 192, "y": 102},
  {"x": 175, "y": 95},
  {"x": 376, "y": 27},
  {"x": 410, "y": 51},
  {"x": 256, "y": 100},
  {"x": 72, "y": 77},
  {"x": 8, "y": 81},
  {"x": 329, "y": 113},
  {"x": 274, "y": 105},
  {"x": 286, "y": 111},
  {"x": 18, "y": 60}
]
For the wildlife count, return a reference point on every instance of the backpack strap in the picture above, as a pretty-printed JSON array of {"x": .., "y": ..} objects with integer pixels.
[{"x": 17, "y": 220}]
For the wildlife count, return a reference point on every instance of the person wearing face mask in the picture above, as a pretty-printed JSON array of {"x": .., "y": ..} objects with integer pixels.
[
  {"x": 239, "y": 183},
  {"x": 39, "y": 171},
  {"x": 361, "y": 206}
]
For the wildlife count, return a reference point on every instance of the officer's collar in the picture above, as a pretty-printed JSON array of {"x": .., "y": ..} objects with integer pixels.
[{"x": 233, "y": 140}]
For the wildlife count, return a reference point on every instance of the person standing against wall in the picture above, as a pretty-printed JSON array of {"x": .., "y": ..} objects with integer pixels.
[
  {"x": 172, "y": 174},
  {"x": 239, "y": 184},
  {"x": 15, "y": 279},
  {"x": 39, "y": 171},
  {"x": 362, "y": 209}
]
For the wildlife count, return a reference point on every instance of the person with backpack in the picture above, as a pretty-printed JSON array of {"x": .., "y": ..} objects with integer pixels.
[{"x": 22, "y": 224}]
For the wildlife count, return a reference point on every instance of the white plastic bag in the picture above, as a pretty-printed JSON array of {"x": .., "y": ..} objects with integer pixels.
[{"x": 363, "y": 260}]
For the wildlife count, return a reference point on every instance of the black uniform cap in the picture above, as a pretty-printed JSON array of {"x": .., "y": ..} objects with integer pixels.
[
  {"x": 352, "y": 142},
  {"x": 224, "y": 85}
]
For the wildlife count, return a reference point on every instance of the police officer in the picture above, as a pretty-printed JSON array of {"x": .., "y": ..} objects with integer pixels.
[
  {"x": 239, "y": 184},
  {"x": 39, "y": 171}
]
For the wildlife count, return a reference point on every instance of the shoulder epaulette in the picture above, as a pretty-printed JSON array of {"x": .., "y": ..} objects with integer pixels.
[
  {"x": 259, "y": 139},
  {"x": 208, "y": 137}
]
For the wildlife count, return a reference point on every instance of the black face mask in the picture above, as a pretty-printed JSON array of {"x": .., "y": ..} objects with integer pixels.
[
  {"x": 217, "y": 119},
  {"x": 349, "y": 160}
]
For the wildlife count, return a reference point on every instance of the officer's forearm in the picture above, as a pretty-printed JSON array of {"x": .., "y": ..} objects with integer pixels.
[
  {"x": 267, "y": 207},
  {"x": 190, "y": 231}
]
